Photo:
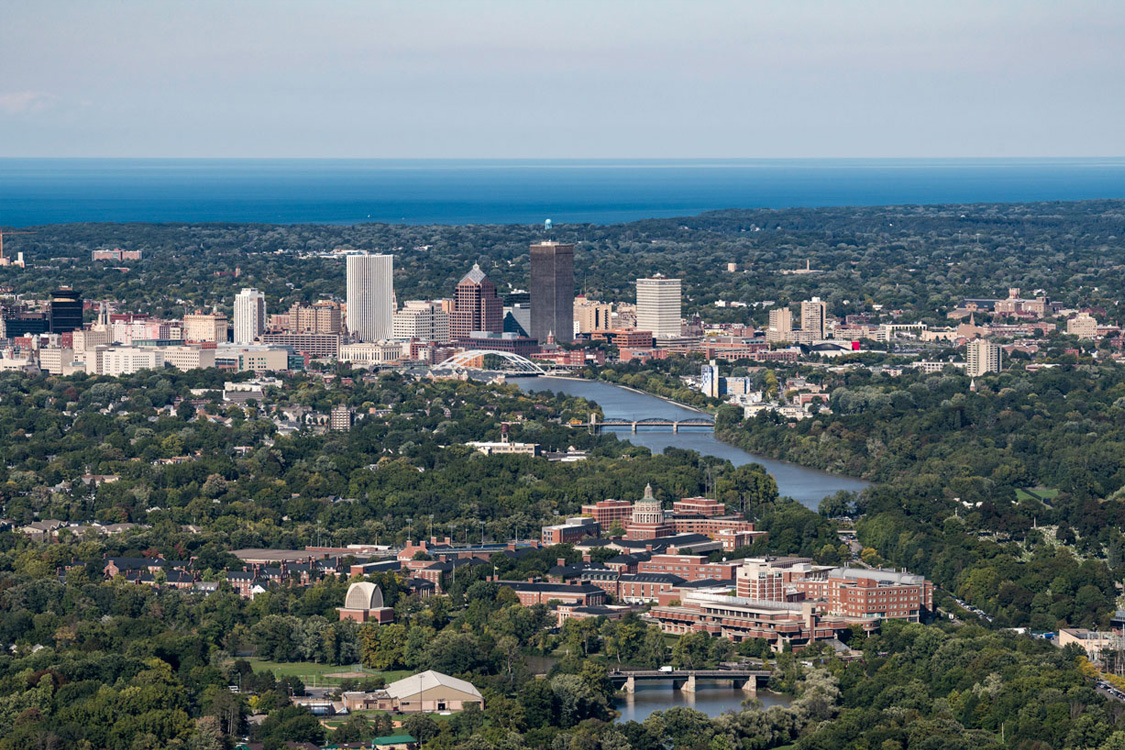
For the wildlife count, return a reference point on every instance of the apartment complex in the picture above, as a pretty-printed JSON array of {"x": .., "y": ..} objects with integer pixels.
[
  {"x": 981, "y": 357},
  {"x": 590, "y": 316},
  {"x": 813, "y": 313},
  {"x": 210, "y": 327},
  {"x": 1083, "y": 325},
  {"x": 422, "y": 320},
  {"x": 321, "y": 317},
  {"x": 249, "y": 316}
]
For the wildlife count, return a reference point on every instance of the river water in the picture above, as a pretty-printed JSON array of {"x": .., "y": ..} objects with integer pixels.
[
  {"x": 806, "y": 486},
  {"x": 710, "y": 698}
]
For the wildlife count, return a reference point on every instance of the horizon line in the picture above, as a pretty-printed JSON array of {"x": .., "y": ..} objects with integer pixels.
[{"x": 566, "y": 158}]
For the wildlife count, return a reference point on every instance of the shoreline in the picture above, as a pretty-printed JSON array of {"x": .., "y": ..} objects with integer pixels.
[
  {"x": 638, "y": 391},
  {"x": 754, "y": 455}
]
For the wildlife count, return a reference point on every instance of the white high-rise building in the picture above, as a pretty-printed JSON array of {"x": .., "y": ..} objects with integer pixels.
[
  {"x": 249, "y": 316},
  {"x": 813, "y": 312},
  {"x": 371, "y": 296},
  {"x": 423, "y": 320},
  {"x": 981, "y": 357},
  {"x": 658, "y": 306}
]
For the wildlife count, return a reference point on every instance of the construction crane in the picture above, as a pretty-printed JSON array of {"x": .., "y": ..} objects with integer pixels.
[{"x": 2, "y": 233}]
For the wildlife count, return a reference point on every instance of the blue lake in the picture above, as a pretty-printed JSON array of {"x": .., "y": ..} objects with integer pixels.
[{"x": 287, "y": 191}]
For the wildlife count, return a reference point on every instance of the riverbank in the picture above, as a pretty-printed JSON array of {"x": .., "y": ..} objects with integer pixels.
[
  {"x": 813, "y": 458},
  {"x": 638, "y": 391},
  {"x": 806, "y": 486}
]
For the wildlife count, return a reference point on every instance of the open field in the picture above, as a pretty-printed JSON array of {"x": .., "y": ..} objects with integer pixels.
[
  {"x": 1040, "y": 494},
  {"x": 313, "y": 674}
]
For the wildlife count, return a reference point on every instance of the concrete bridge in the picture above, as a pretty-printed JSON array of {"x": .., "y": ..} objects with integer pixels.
[
  {"x": 685, "y": 679},
  {"x": 675, "y": 424}
]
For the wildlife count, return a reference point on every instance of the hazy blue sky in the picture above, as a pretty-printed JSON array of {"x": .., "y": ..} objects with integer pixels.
[{"x": 570, "y": 78}]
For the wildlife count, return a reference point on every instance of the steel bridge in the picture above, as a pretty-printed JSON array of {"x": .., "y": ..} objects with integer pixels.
[
  {"x": 596, "y": 426},
  {"x": 474, "y": 359}
]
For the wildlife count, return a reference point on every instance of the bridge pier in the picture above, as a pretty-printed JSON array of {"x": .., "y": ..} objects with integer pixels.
[
  {"x": 689, "y": 686},
  {"x": 751, "y": 685},
  {"x": 630, "y": 685},
  {"x": 634, "y": 427},
  {"x": 675, "y": 427}
]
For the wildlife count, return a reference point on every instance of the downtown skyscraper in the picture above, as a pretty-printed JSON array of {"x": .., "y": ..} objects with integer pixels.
[
  {"x": 552, "y": 291},
  {"x": 658, "y": 306},
  {"x": 476, "y": 307},
  {"x": 371, "y": 296}
]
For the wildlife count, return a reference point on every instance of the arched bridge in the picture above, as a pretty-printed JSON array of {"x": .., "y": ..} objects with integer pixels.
[
  {"x": 685, "y": 679},
  {"x": 675, "y": 424},
  {"x": 474, "y": 359}
]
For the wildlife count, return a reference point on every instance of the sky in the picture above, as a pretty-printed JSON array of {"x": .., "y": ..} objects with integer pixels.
[{"x": 582, "y": 79}]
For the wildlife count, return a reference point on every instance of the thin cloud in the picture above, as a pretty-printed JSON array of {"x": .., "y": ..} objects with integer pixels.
[{"x": 22, "y": 102}]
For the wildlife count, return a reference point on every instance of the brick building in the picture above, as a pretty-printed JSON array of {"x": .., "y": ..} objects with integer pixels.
[
  {"x": 605, "y": 512},
  {"x": 689, "y": 567},
  {"x": 850, "y": 592},
  {"x": 539, "y": 592}
]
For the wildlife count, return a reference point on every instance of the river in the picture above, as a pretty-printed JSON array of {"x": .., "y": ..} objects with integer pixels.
[
  {"x": 712, "y": 698},
  {"x": 806, "y": 486}
]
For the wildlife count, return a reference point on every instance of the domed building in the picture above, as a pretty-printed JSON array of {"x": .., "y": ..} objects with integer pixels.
[
  {"x": 649, "y": 520},
  {"x": 364, "y": 603}
]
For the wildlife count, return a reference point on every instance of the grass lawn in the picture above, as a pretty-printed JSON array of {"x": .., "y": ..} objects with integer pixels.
[
  {"x": 1042, "y": 495},
  {"x": 313, "y": 674}
]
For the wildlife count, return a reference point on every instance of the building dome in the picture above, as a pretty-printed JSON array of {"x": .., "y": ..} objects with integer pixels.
[
  {"x": 364, "y": 595},
  {"x": 648, "y": 509}
]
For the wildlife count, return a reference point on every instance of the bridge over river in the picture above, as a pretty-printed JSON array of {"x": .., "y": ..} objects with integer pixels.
[
  {"x": 685, "y": 679},
  {"x": 596, "y": 426}
]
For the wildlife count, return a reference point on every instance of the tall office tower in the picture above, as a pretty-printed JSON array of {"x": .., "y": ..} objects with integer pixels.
[
  {"x": 981, "y": 357},
  {"x": 206, "y": 327},
  {"x": 249, "y": 316},
  {"x": 371, "y": 296},
  {"x": 552, "y": 291},
  {"x": 658, "y": 306},
  {"x": 812, "y": 317},
  {"x": 65, "y": 310},
  {"x": 475, "y": 306},
  {"x": 423, "y": 320}
]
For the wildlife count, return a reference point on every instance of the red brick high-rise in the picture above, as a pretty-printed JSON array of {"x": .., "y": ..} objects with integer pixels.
[{"x": 475, "y": 306}]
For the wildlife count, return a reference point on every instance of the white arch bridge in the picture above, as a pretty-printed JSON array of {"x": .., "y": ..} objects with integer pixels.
[{"x": 475, "y": 359}]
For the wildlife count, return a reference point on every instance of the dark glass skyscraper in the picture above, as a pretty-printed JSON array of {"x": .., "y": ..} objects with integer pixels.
[
  {"x": 552, "y": 291},
  {"x": 66, "y": 310}
]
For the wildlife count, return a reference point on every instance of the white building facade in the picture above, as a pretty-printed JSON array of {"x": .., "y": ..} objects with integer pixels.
[
  {"x": 371, "y": 296},
  {"x": 658, "y": 306},
  {"x": 249, "y": 316},
  {"x": 422, "y": 320}
]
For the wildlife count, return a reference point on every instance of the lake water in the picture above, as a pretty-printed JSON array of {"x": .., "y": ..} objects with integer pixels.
[
  {"x": 710, "y": 698},
  {"x": 807, "y": 486},
  {"x": 352, "y": 191}
]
